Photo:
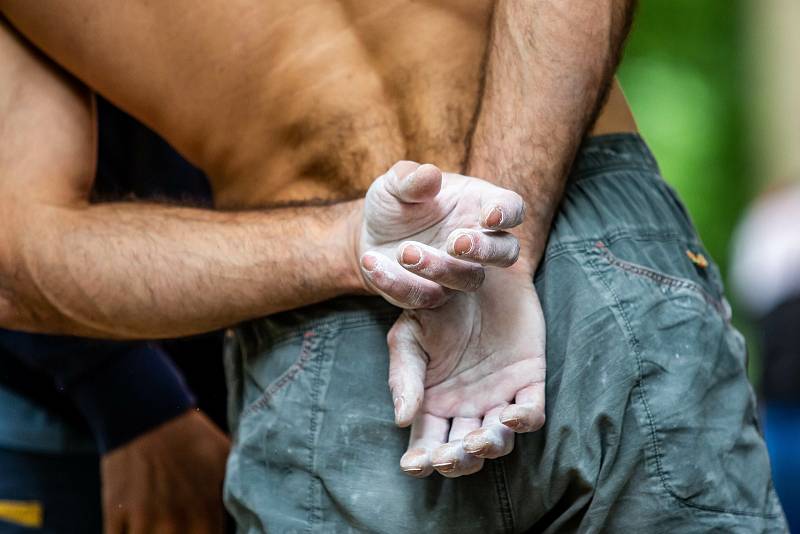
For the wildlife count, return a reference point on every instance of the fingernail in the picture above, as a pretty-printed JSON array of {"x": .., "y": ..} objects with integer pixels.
[
  {"x": 411, "y": 256},
  {"x": 398, "y": 407},
  {"x": 495, "y": 217},
  {"x": 463, "y": 244},
  {"x": 511, "y": 422},
  {"x": 475, "y": 445},
  {"x": 445, "y": 467},
  {"x": 412, "y": 470},
  {"x": 368, "y": 262}
]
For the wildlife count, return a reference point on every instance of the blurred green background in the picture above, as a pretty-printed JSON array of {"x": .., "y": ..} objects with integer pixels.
[{"x": 681, "y": 74}]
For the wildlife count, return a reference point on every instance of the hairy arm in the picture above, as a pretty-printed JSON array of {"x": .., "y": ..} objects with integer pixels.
[
  {"x": 136, "y": 270},
  {"x": 548, "y": 66},
  {"x": 548, "y": 69}
]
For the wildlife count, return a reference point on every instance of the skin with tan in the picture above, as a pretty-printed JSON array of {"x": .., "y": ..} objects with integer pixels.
[
  {"x": 167, "y": 480},
  {"x": 281, "y": 101},
  {"x": 300, "y": 102}
]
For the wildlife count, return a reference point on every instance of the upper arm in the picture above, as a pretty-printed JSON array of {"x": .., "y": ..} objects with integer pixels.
[{"x": 47, "y": 128}]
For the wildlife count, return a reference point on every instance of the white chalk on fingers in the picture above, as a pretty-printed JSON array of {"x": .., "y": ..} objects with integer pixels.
[
  {"x": 416, "y": 463},
  {"x": 400, "y": 286},
  {"x": 490, "y": 442},
  {"x": 451, "y": 460}
]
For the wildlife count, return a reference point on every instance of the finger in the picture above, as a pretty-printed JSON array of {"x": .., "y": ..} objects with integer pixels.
[
  {"x": 487, "y": 248},
  {"x": 407, "y": 365},
  {"x": 436, "y": 266},
  {"x": 428, "y": 432},
  {"x": 413, "y": 183},
  {"x": 502, "y": 211},
  {"x": 450, "y": 459},
  {"x": 493, "y": 439},
  {"x": 113, "y": 520},
  {"x": 399, "y": 286},
  {"x": 527, "y": 415}
]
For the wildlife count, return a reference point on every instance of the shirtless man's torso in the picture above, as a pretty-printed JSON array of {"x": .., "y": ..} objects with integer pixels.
[{"x": 287, "y": 101}]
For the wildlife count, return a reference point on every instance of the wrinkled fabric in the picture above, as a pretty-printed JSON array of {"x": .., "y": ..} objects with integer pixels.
[{"x": 651, "y": 422}]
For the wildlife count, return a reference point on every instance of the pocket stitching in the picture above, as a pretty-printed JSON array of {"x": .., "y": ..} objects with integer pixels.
[
  {"x": 664, "y": 279},
  {"x": 307, "y": 352},
  {"x": 633, "y": 342}
]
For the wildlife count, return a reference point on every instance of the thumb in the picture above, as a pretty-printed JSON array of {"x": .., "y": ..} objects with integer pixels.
[
  {"x": 407, "y": 365},
  {"x": 411, "y": 183}
]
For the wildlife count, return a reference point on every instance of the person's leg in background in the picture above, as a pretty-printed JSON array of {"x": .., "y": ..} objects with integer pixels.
[
  {"x": 54, "y": 493},
  {"x": 49, "y": 467},
  {"x": 766, "y": 276},
  {"x": 781, "y": 396}
]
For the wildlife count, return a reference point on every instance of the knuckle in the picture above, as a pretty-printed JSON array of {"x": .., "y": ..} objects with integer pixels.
[
  {"x": 418, "y": 295},
  {"x": 430, "y": 299},
  {"x": 474, "y": 279},
  {"x": 393, "y": 337},
  {"x": 414, "y": 296}
]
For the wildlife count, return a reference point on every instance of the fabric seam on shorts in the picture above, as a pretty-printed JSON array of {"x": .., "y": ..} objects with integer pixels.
[
  {"x": 314, "y": 491},
  {"x": 307, "y": 351},
  {"x": 503, "y": 495},
  {"x": 353, "y": 320},
  {"x": 601, "y": 169},
  {"x": 634, "y": 234},
  {"x": 610, "y": 238},
  {"x": 633, "y": 342}
]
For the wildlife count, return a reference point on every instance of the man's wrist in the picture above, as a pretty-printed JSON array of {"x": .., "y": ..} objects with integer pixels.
[
  {"x": 534, "y": 233},
  {"x": 347, "y": 234}
]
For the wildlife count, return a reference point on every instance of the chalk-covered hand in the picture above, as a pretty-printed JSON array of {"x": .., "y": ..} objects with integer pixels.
[
  {"x": 414, "y": 214},
  {"x": 168, "y": 480},
  {"x": 467, "y": 356},
  {"x": 469, "y": 374}
]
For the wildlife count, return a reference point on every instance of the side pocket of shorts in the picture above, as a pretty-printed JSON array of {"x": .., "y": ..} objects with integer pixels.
[
  {"x": 693, "y": 397},
  {"x": 272, "y": 481}
]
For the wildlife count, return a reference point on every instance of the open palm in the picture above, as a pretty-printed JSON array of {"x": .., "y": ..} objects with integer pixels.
[{"x": 472, "y": 372}]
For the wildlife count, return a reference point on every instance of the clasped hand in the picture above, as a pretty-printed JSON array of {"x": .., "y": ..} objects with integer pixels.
[{"x": 467, "y": 355}]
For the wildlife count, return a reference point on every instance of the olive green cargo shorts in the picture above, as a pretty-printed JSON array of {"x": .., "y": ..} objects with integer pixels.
[{"x": 651, "y": 422}]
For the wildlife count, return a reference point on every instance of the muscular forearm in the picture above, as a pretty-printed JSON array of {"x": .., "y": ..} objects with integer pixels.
[
  {"x": 146, "y": 271},
  {"x": 548, "y": 67}
]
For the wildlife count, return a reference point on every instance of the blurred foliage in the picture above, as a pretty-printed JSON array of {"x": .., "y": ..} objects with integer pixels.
[{"x": 681, "y": 73}]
